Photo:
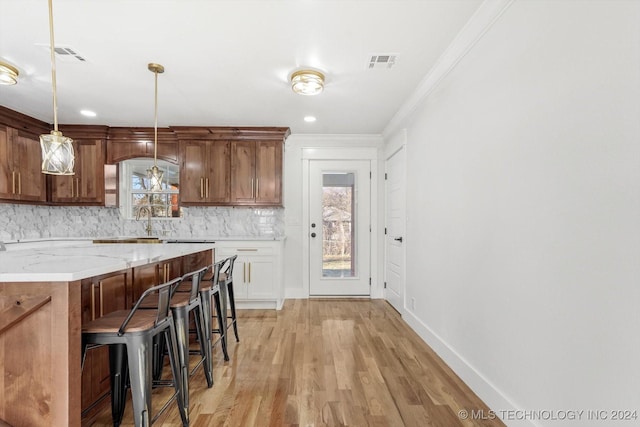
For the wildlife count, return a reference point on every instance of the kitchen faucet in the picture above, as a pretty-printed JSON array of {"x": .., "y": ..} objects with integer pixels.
[{"x": 146, "y": 209}]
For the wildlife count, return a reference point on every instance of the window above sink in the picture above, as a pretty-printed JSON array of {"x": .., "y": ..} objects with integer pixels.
[{"x": 136, "y": 197}]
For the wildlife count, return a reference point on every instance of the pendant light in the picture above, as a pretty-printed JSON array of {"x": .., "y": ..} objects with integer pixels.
[
  {"x": 154, "y": 174},
  {"x": 57, "y": 149}
]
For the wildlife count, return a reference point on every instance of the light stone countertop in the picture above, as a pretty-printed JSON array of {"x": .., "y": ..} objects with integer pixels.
[{"x": 77, "y": 260}]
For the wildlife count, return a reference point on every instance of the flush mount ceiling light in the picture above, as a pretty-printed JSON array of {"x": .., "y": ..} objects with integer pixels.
[
  {"x": 8, "y": 74},
  {"x": 307, "y": 82},
  {"x": 57, "y": 149},
  {"x": 155, "y": 174}
]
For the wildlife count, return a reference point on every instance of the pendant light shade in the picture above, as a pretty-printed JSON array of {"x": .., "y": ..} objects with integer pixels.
[
  {"x": 57, "y": 154},
  {"x": 155, "y": 176},
  {"x": 57, "y": 149}
]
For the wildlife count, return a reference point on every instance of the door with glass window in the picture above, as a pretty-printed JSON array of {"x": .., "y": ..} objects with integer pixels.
[{"x": 339, "y": 227}]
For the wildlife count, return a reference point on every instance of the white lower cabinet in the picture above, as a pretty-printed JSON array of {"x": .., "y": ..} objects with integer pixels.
[{"x": 257, "y": 273}]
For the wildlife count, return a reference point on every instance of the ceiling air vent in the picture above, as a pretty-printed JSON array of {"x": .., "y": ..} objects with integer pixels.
[
  {"x": 65, "y": 53},
  {"x": 382, "y": 61}
]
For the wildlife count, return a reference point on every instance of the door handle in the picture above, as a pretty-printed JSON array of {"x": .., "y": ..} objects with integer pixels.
[{"x": 398, "y": 239}]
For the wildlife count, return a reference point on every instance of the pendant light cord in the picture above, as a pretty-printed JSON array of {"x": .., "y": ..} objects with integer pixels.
[
  {"x": 53, "y": 68},
  {"x": 155, "y": 126}
]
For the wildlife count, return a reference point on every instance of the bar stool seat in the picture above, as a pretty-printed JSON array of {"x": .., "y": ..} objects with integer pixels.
[{"x": 131, "y": 333}]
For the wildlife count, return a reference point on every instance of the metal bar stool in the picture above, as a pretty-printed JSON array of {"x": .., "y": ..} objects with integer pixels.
[
  {"x": 183, "y": 302},
  {"x": 210, "y": 288},
  {"x": 131, "y": 333},
  {"x": 226, "y": 276}
]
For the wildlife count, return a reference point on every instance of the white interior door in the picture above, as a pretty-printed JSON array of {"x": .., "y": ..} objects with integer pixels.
[
  {"x": 339, "y": 227},
  {"x": 395, "y": 229}
]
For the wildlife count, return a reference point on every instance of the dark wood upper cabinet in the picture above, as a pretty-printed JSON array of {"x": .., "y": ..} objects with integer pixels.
[
  {"x": 256, "y": 177},
  {"x": 86, "y": 186},
  {"x": 219, "y": 166},
  {"x": 21, "y": 179},
  {"x": 129, "y": 143},
  {"x": 231, "y": 166},
  {"x": 204, "y": 172}
]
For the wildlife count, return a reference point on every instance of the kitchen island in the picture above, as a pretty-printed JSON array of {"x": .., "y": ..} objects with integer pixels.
[{"x": 46, "y": 293}]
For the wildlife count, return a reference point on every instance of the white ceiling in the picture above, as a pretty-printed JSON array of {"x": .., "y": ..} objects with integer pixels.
[{"x": 227, "y": 62}]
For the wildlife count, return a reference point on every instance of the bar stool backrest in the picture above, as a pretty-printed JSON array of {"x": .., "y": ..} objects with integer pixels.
[
  {"x": 164, "y": 292},
  {"x": 228, "y": 268},
  {"x": 217, "y": 267},
  {"x": 195, "y": 277}
]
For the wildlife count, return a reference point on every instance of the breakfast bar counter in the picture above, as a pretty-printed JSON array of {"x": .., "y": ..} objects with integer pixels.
[{"x": 46, "y": 292}]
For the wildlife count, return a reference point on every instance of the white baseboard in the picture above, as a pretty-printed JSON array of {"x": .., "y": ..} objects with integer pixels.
[
  {"x": 486, "y": 391},
  {"x": 296, "y": 293}
]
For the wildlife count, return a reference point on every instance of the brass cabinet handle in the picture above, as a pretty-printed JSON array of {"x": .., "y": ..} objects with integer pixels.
[
  {"x": 78, "y": 187},
  {"x": 202, "y": 188},
  {"x": 244, "y": 273},
  {"x": 93, "y": 301},
  {"x": 247, "y": 250},
  {"x": 101, "y": 299},
  {"x": 207, "y": 182},
  {"x": 19, "y": 183},
  {"x": 249, "y": 272},
  {"x": 252, "y": 188},
  {"x": 13, "y": 182},
  {"x": 257, "y": 188}
]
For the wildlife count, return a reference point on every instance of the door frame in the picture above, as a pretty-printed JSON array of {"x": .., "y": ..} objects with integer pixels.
[{"x": 336, "y": 153}]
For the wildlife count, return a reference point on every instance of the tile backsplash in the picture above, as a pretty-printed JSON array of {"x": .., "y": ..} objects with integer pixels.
[{"x": 18, "y": 222}]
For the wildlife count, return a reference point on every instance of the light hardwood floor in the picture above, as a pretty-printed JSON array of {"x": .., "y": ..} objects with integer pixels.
[{"x": 325, "y": 363}]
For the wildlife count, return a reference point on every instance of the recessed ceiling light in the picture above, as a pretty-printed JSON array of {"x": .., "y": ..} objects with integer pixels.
[
  {"x": 309, "y": 119},
  {"x": 88, "y": 113}
]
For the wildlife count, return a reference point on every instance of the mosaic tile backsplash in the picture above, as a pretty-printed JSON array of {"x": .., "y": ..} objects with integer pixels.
[{"x": 20, "y": 222}]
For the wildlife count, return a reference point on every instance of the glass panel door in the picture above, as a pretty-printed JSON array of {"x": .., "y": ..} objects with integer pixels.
[{"x": 339, "y": 235}]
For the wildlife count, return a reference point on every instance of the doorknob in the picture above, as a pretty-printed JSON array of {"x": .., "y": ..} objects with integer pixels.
[
  {"x": 398, "y": 239},
  {"x": 313, "y": 234}
]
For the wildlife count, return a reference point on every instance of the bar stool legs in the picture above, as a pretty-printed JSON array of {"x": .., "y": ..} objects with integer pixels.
[
  {"x": 232, "y": 305},
  {"x": 119, "y": 371}
]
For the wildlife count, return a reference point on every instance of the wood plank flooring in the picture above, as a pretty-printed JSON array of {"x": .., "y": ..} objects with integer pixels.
[{"x": 325, "y": 363}]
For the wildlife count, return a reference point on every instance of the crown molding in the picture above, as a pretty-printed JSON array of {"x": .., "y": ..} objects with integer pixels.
[{"x": 482, "y": 20}]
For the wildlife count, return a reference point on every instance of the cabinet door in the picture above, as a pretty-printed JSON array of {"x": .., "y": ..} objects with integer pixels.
[
  {"x": 219, "y": 172},
  {"x": 87, "y": 184},
  {"x": 243, "y": 172},
  {"x": 7, "y": 174},
  {"x": 192, "y": 172},
  {"x": 90, "y": 171},
  {"x": 28, "y": 162},
  {"x": 268, "y": 173},
  {"x": 145, "y": 277},
  {"x": 240, "y": 278},
  {"x": 260, "y": 278}
]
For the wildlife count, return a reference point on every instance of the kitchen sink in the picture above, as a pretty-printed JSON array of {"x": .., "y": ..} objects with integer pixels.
[{"x": 130, "y": 240}]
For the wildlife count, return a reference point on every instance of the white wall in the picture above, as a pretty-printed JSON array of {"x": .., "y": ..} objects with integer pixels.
[{"x": 523, "y": 234}]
